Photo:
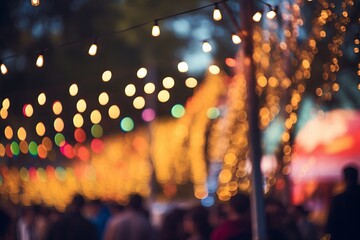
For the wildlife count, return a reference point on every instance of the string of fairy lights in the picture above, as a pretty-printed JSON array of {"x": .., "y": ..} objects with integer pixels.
[{"x": 233, "y": 150}]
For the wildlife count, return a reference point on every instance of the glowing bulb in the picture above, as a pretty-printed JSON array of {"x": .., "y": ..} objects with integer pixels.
[
  {"x": 3, "y": 69},
  {"x": 168, "y": 82},
  {"x": 141, "y": 73},
  {"x": 130, "y": 90},
  {"x": 217, "y": 14},
  {"x": 236, "y": 39},
  {"x": 206, "y": 47},
  {"x": 183, "y": 67},
  {"x": 149, "y": 88},
  {"x": 40, "y": 60},
  {"x": 257, "y": 16},
  {"x": 271, "y": 14},
  {"x": 73, "y": 89},
  {"x": 191, "y": 82},
  {"x": 155, "y": 32},
  {"x": 93, "y": 49},
  {"x": 35, "y": 3}
]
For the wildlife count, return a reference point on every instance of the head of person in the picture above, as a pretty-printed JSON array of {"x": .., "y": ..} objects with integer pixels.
[
  {"x": 240, "y": 203},
  {"x": 77, "y": 203},
  {"x": 135, "y": 202},
  {"x": 350, "y": 175}
]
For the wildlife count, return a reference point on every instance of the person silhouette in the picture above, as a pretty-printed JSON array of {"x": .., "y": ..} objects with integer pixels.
[{"x": 344, "y": 213}]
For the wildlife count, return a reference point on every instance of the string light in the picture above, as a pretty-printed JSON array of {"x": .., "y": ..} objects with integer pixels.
[
  {"x": 40, "y": 60},
  {"x": 217, "y": 13},
  {"x": 235, "y": 38},
  {"x": 257, "y": 16},
  {"x": 93, "y": 49},
  {"x": 272, "y": 13},
  {"x": 35, "y": 3},
  {"x": 3, "y": 69},
  {"x": 206, "y": 47},
  {"x": 155, "y": 32}
]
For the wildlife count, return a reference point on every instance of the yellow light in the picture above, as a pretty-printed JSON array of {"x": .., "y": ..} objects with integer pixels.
[
  {"x": 213, "y": 69},
  {"x": 206, "y": 47},
  {"x": 163, "y": 96},
  {"x": 95, "y": 116},
  {"x": 114, "y": 112},
  {"x": 8, "y": 132},
  {"x": 40, "y": 129},
  {"x": 168, "y": 82},
  {"x": 58, "y": 124},
  {"x": 236, "y": 39},
  {"x": 155, "y": 31},
  {"x": 29, "y": 110},
  {"x": 106, "y": 76},
  {"x": 103, "y": 98},
  {"x": 40, "y": 60},
  {"x": 4, "y": 113},
  {"x": 139, "y": 102},
  {"x": 3, "y": 69},
  {"x": 183, "y": 67},
  {"x": 35, "y": 3},
  {"x": 257, "y": 16},
  {"x": 6, "y": 103},
  {"x": 21, "y": 134},
  {"x": 130, "y": 90},
  {"x": 217, "y": 13},
  {"x": 78, "y": 120},
  {"x": 191, "y": 82},
  {"x": 57, "y": 107},
  {"x": 142, "y": 72},
  {"x": 73, "y": 89},
  {"x": 81, "y": 105},
  {"x": 149, "y": 88},
  {"x": 271, "y": 14},
  {"x": 93, "y": 49},
  {"x": 42, "y": 99}
]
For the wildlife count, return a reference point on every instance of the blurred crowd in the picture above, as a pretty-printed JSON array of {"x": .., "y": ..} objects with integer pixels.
[{"x": 98, "y": 220}]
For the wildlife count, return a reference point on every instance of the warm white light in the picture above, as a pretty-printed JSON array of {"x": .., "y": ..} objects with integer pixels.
[
  {"x": 155, "y": 32},
  {"x": 40, "y": 60},
  {"x": 130, "y": 90},
  {"x": 168, "y": 82},
  {"x": 139, "y": 102},
  {"x": 81, "y": 105},
  {"x": 236, "y": 39},
  {"x": 106, "y": 76},
  {"x": 114, "y": 112},
  {"x": 257, "y": 16},
  {"x": 73, "y": 89},
  {"x": 217, "y": 14},
  {"x": 183, "y": 67},
  {"x": 78, "y": 120},
  {"x": 206, "y": 47},
  {"x": 35, "y": 3},
  {"x": 271, "y": 14},
  {"x": 3, "y": 69},
  {"x": 103, "y": 98},
  {"x": 191, "y": 82},
  {"x": 93, "y": 49},
  {"x": 163, "y": 96},
  {"x": 149, "y": 88},
  {"x": 213, "y": 69},
  {"x": 142, "y": 72},
  {"x": 95, "y": 116},
  {"x": 42, "y": 99}
]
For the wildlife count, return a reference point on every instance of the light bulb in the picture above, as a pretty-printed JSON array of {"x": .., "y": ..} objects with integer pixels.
[
  {"x": 206, "y": 47},
  {"x": 236, "y": 39},
  {"x": 217, "y": 14},
  {"x": 40, "y": 60},
  {"x": 35, "y": 3},
  {"x": 271, "y": 14},
  {"x": 155, "y": 32},
  {"x": 93, "y": 49},
  {"x": 257, "y": 16},
  {"x": 3, "y": 69}
]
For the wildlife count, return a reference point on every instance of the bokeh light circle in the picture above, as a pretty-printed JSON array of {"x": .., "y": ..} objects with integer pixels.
[
  {"x": 139, "y": 102},
  {"x": 103, "y": 98},
  {"x": 81, "y": 105},
  {"x": 164, "y": 96},
  {"x": 177, "y": 111},
  {"x": 80, "y": 135},
  {"x": 106, "y": 76},
  {"x": 148, "y": 115},
  {"x": 59, "y": 124},
  {"x": 40, "y": 129},
  {"x": 130, "y": 90},
  {"x": 127, "y": 124},
  {"x": 97, "y": 131},
  {"x": 42, "y": 99},
  {"x": 73, "y": 89},
  {"x": 57, "y": 107},
  {"x": 191, "y": 82},
  {"x": 95, "y": 116},
  {"x": 6, "y": 103},
  {"x": 168, "y": 82},
  {"x": 149, "y": 88},
  {"x": 78, "y": 120},
  {"x": 183, "y": 67},
  {"x": 142, "y": 72},
  {"x": 213, "y": 113},
  {"x": 28, "y": 110},
  {"x": 114, "y": 112}
]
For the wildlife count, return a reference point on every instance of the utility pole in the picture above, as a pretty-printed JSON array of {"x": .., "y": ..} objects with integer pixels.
[{"x": 257, "y": 192}]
